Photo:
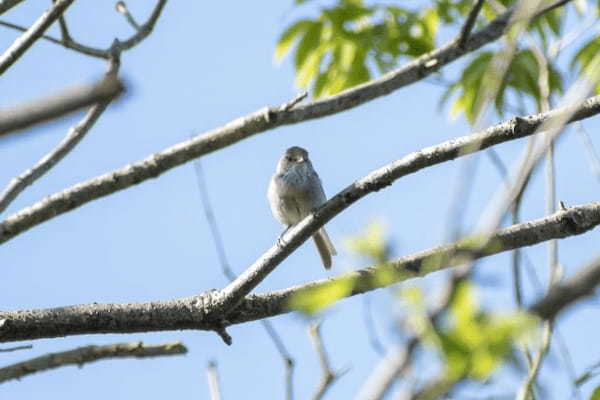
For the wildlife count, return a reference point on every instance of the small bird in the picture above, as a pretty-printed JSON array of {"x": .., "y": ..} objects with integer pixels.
[{"x": 294, "y": 192}]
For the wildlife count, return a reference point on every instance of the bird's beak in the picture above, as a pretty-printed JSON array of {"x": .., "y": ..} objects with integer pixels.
[{"x": 301, "y": 159}]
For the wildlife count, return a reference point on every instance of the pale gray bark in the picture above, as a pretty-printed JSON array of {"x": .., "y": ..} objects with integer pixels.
[{"x": 202, "y": 312}]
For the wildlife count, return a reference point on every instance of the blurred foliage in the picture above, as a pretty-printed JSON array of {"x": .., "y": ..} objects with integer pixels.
[
  {"x": 315, "y": 299},
  {"x": 350, "y": 41},
  {"x": 587, "y": 60},
  {"x": 372, "y": 244},
  {"x": 522, "y": 78},
  {"x": 470, "y": 342}
]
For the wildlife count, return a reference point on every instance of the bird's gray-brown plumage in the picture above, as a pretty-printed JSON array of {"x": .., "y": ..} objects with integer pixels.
[{"x": 294, "y": 192}]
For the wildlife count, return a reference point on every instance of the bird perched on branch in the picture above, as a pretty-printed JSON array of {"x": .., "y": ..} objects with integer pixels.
[{"x": 294, "y": 192}]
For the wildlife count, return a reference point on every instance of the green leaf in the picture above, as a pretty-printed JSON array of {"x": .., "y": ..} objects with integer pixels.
[
  {"x": 595, "y": 394},
  {"x": 289, "y": 36},
  {"x": 313, "y": 300},
  {"x": 308, "y": 45},
  {"x": 371, "y": 244}
]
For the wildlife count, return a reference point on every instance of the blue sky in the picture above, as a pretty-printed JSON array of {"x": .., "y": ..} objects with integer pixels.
[{"x": 205, "y": 64}]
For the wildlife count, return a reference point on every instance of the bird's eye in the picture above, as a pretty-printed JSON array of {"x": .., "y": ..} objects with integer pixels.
[{"x": 288, "y": 158}]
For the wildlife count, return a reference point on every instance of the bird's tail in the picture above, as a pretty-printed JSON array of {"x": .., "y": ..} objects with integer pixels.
[{"x": 325, "y": 247}]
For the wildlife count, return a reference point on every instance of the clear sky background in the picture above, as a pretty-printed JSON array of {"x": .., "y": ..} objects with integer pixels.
[{"x": 205, "y": 64}]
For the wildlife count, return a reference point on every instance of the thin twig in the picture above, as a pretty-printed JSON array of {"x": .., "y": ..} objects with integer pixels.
[
  {"x": 590, "y": 151},
  {"x": 60, "y": 104},
  {"x": 328, "y": 375},
  {"x": 466, "y": 29},
  {"x": 526, "y": 390},
  {"x": 88, "y": 354},
  {"x": 145, "y": 29},
  {"x": 370, "y": 327},
  {"x": 26, "y": 40},
  {"x": 71, "y": 44},
  {"x": 16, "y": 348},
  {"x": 121, "y": 8},
  {"x": 212, "y": 374}
]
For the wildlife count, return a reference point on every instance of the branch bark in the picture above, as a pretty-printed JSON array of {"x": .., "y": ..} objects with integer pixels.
[
  {"x": 58, "y": 105},
  {"x": 26, "y": 40},
  {"x": 565, "y": 293},
  {"x": 232, "y": 294},
  {"x": 201, "y": 312},
  {"x": 6, "y": 5},
  {"x": 243, "y": 128},
  {"x": 88, "y": 354}
]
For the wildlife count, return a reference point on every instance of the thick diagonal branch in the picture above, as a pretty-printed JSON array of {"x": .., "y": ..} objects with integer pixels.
[
  {"x": 242, "y": 128},
  {"x": 60, "y": 104},
  {"x": 27, "y": 39},
  {"x": 201, "y": 312},
  {"x": 231, "y": 295}
]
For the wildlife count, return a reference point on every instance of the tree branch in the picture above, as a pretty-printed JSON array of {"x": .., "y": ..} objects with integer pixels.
[
  {"x": 88, "y": 354},
  {"x": 469, "y": 23},
  {"x": 328, "y": 375},
  {"x": 242, "y": 128},
  {"x": 232, "y": 294},
  {"x": 6, "y": 5},
  {"x": 26, "y": 40},
  {"x": 60, "y": 104},
  {"x": 74, "y": 136},
  {"x": 16, "y": 348},
  {"x": 146, "y": 29},
  {"x": 201, "y": 312},
  {"x": 212, "y": 375},
  {"x": 565, "y": 293},
  {"x": 69, "y": 43}
]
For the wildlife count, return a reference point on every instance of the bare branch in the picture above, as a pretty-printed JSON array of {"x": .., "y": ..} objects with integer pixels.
[
  {"x": 74, "y": 136},
  {"x": 469, "y": 23},
  {"x": 568, "y": 292},
  {"x": 212, "y": 374},
  {"x": 240, "y": 129},
  {"x": 6, "y": 5},
  {"x": 202, "y": 312},
  {"x": 70, "y": 44},
  {"x": 393, "y": 366},
  {"x": 58, "y": 105},
  {"x": 88, "y": 354},
  {"x": 370, "y": 328},
  {"x": 26, "y": 40},
  {"x": 16, "y": 348},
  {"x": 231, "y": 295},
  {"x": 525, "y": 392},
  {"x": 146, "y": 29},
  {"x": 551, "y": 7},
  {"x": 121, "y": 8},
  {"x": 328, "y": 374}
]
